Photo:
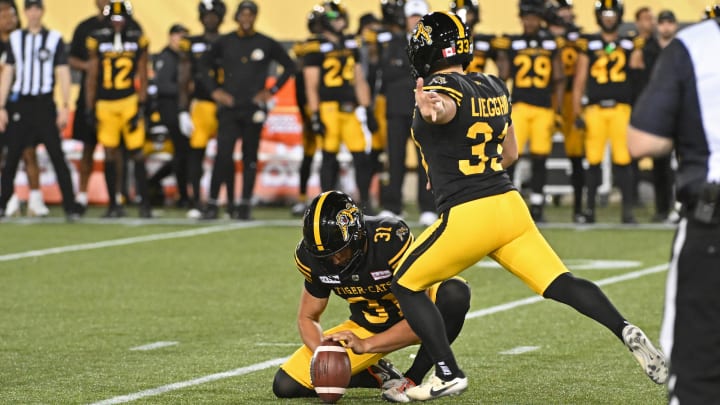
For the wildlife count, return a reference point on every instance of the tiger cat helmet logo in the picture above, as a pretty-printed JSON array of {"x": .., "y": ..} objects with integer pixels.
[{"x": 422, "y": 33}]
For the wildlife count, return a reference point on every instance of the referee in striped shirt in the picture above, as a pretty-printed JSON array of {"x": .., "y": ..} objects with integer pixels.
[{"x": 36, "y": 58}]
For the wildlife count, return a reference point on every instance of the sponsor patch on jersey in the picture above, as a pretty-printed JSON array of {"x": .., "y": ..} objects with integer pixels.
[
  {"x": 331, "y": 279},
  {"x": 199, "y": 47},
  {"x": 381, "y": 274},
  {"x": 326, "y": 47},
  {"x": 482, "y": 45},
  {"x": 519, "y": 44},
  {"x": 549, "y": 44},
  {"x": 257, "y": 55}
]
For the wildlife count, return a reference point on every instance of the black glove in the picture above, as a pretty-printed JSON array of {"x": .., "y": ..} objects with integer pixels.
[
  {"x": 579, "y": 122},
  {"x": 135, "y": 120},
  {"x": 91, "y": 119},
  {"x": 372, "y": 123},
  {"x": 316, "y": 124}
]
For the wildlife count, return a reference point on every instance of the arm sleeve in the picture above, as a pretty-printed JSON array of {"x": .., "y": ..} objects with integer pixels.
[
  {"x": 279, "y": 54},
  {"x": 77, "y": 45},
  {"x": 656, "y": 109},
  {"x": 61, "y": 56},
  {"x": 206, "y": 66}
]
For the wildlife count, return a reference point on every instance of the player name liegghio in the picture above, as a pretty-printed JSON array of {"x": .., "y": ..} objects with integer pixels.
[{"x": 489, "y": 107}]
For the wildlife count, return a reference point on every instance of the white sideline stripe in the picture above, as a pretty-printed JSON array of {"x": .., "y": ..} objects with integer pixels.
[
  {"x": 520, "y": 350},
  {"x": 202, "y": 380},
  {"x": 153, "y": 346},
  {"x": 275, "y": 344},
  {"x": 276, "y": 362},
  {"x": 121, "y": 242}
]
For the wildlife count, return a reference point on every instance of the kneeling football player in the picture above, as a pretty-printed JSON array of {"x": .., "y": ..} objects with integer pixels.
[{"x": 355, "y": 256}]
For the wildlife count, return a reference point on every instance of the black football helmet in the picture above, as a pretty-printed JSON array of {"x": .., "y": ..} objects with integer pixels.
[
  {"x": 332, "y": 10},
  {"x": 434, "y": 44},
  {"x": 536, "y": 7},
  {"x": 603, "y": 7},
  {"x": 393, "y": 12},
  {"x": 712, "y": 11},
  {"x": 118, "y": 10},
  {"x": 332, "y": 223},
  {"x": 313, "y": 20},
  {"x": 462, "y": 7},
  {"x": 216, "y": 7}
]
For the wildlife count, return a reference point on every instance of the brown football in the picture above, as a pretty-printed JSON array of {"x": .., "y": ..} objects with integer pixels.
[{"x": 330, "y": 371}]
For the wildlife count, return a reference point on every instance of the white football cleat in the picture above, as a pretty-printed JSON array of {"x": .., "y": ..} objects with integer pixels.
[
  {"x": 394, "y": 390},
  {"x": 651, "y": 359},
  {"x": 13, "y": 207},
  {"x": 427, "y": 218},
  {"x": 434, "y": 388},
  {"x": 194, "y": 213},
  {"x": 36, "y": 205}
]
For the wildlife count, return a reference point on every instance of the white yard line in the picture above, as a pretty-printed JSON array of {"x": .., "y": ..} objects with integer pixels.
[
  {"x": 278, "y": 361},
  {"x": 153, "y": 346},
  {"x": 126, "y": 241},
  {"x": 520, "y": 350}
]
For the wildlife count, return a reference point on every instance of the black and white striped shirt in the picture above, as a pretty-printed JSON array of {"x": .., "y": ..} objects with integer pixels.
[{"x": 35, "y": 57}]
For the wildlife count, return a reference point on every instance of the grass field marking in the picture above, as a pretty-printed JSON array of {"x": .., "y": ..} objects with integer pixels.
[
  {"x": 202, "y": 380},
  {"x": 153, "y": 346},
  {"x": 276, "y": 362},
  {"x": 520, "y": 350},
  {"x": 125, "y": 241}
]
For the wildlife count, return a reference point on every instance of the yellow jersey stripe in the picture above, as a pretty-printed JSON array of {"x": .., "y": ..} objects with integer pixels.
[
  {"x": 316, "y": 220},
  {"x": 395, "y": 259},
  {"x": 443, "y": 88},
  {"x": 305, "y": 270}
]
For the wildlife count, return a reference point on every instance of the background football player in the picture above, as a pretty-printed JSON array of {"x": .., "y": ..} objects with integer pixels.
[
  {"x": 353, "y": 256},
  {"x": 603, "y": 74},
  {"x": 561, "y": 23},
  {"x": 339, "y": 97},
  {"x": 200, "y": 124},
  {"x": 117, "y": 57},
  {"x": 532, "y": 61},
  {"x": 483, "y": 51}
]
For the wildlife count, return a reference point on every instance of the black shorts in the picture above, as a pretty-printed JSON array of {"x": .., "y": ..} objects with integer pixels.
[{"x": 81, "y": 131}]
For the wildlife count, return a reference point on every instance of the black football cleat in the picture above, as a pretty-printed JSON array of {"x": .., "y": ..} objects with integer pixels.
[
  {"x": 115, "y": 211},
  {"x": 210, "y": 212}
]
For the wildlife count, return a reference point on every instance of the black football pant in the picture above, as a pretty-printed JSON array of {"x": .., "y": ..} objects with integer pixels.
[
  {"x": 663, "y": 179},
  {"x": 691, "y": 324},
  {"x": 168, "y": 109},
  {"x": 398, "y": 128},
  {"x": 234, "y": 124},
  {"x": 35, "y": 124}
]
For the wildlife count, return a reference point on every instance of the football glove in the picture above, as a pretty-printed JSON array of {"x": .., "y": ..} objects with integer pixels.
[
  {"x": 316, "y": 124},
  {"x": 186, "y": 124},
  {"x": 135, "y": 120},
  {"x": 579, "y": 122}
]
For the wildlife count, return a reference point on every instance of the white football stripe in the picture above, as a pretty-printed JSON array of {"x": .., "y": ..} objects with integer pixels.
[
  {"x": 331, "y": 349},
  {"x": 330, "y": 390}
]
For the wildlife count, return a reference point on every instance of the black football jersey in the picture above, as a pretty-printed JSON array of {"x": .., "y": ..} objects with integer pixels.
[
  {"x": 482, "y": 51},
  {"x": 462, "y": 158},
  {"x": 608, "y": 68},
  {"x": 531, "y": 66},
  {"x": 196, "y": 47},
  {"x": 372, "y": 304},
  {"x": 118, "y": 58},
  {"x": 337, "y": 67},
  {"x": 568, "y": 54}
]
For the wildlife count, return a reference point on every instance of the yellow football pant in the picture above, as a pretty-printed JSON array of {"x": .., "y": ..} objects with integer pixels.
[
  {"x": 534, "y": 124},
  {"x": 204, "y": 118},
  {"x": 603, "y": 124},
  {"x": 113, "y": 118}
]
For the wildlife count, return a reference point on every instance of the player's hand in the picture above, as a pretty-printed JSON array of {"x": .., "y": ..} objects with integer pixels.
[
  {"x": 316, "y": 124},
  {"x": 372, "y": 123},
  {"x": 136, "y": 119},
  {"x": 580, "y": 122},
  {"x": 559, "y": 121},
  {"x": 351, "y": 341},
  {"x": 3, "y": 120},
  {"x": 262, "y": 97},
  {"x": 186, "y": 124},
  {"x": 429, "y": 103},
  {"x": 91, "y": 119},
  {"x": 62, "y": 118},
  {"x": 223, "y": 98}
]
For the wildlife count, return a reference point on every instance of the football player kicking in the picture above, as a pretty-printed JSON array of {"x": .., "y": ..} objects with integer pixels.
[{"x": 353, "y": 256}]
